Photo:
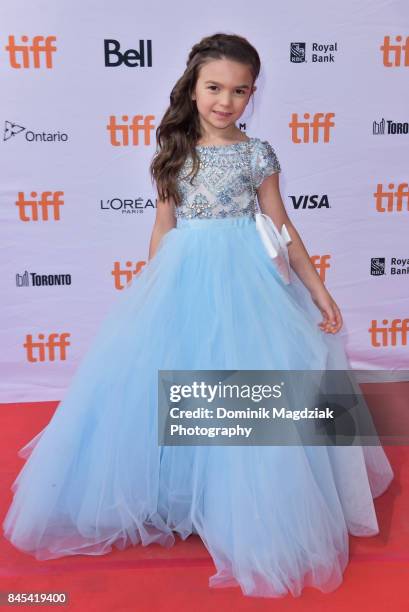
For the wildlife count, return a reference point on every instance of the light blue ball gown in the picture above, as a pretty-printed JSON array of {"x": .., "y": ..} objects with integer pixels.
[{"x": 273, "y": 518}]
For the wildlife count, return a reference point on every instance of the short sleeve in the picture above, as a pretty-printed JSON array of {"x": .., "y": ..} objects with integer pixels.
[{"x": 265, "y": 161}]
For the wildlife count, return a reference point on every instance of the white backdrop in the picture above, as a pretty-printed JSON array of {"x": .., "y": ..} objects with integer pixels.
[{"x": 77, "y": 203}]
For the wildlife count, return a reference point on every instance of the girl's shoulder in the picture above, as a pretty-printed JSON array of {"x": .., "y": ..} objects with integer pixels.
[
  {"x": 261, "y": 145},
  {"x": 264, "y": 159}
]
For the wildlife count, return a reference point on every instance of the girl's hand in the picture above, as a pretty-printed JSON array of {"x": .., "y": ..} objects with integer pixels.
[{"x": 332, "y": 319}]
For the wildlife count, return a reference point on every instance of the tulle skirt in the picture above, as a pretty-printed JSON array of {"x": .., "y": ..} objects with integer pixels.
[{"x": 273, "y": 518}]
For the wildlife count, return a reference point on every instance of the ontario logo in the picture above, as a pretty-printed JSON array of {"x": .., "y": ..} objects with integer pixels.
[{"x": 12, "y": 129}]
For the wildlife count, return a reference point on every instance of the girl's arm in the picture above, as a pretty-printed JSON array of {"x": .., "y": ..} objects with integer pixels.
[
  {"x": 271, "y": 204},
  {"x": 164, "y": 221}
]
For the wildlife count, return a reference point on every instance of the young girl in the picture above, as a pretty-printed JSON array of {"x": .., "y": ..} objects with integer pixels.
[{"x": 273, "y": 518}]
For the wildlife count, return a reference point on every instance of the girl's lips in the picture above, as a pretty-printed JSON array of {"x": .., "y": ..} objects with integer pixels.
[{"x": 222, "y": 114}]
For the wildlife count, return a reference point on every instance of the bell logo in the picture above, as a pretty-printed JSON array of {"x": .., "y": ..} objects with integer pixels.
[
  {"x": 320, "y": 124},
  {"x": 123, "y": 277},
  {"x": 321, "y": 264},
  {"x": 122, "y": 133},
  {"x": 26, "y": 55},
  {"x": 46, "y": 350},
  {"x": 44, "y": 209},
  {"x": 391, "y": 200},
  {"x": 382, "y": 335},
  {"x": 131, "y": 57},
  {"x": 395, "y": 55}
]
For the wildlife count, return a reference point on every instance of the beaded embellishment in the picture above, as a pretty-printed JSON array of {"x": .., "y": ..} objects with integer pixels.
[{"x": 222, "y": 186}]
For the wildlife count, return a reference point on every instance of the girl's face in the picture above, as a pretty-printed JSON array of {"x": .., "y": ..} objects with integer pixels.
[{"x": 222, "y": 91}]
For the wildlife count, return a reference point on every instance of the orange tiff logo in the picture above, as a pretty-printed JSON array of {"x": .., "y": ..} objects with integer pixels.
[
  {"x": 47, "y": 349},
  {"x": 318, "y": 127},
  {"x": 43, "y": 209},
  {"x": 388, "y": 334},
  {"x": 391, "y": 200},
  {"x": 321, "y": 264},
  {"x": 127, "y": 131},
  {"x": 123, "y": 277},
  {"x": 34, "y": 54},
  {"x": 394, "y": 53}
]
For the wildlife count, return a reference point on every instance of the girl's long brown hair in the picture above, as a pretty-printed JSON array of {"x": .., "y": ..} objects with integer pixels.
[{"x": 179, "y": 129}]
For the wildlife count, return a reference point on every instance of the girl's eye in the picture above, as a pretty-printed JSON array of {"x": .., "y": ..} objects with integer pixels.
[{"x": 242, "y": 91}]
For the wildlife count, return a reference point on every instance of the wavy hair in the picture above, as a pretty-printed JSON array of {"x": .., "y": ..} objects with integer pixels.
[{"x": 179, "y": 129}]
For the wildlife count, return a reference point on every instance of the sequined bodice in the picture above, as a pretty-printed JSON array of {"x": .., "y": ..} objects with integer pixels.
[{"x": 222, "y": 186}]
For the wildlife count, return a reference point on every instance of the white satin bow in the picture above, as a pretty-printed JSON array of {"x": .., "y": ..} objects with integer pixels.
[{"x": 275, "y": 243}]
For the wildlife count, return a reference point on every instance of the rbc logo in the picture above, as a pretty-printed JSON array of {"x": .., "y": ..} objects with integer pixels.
[
  {"x": 377, "y": 266},
  {"x": 297, "y": 52}
]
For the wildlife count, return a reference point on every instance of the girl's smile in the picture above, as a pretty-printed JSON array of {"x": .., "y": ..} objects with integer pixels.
[{"x": 221, "y": 114}]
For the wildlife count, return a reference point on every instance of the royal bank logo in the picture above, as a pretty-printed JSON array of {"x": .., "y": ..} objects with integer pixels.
[
  {"x": 377, "y": 266},
  {"x": 387, "y": 126},
  {"x": 12, "y": 129},
  {"x": 397, "y": 266},
  {"x": 297, "y": 52},
  {"x": 319, "y": 54}
]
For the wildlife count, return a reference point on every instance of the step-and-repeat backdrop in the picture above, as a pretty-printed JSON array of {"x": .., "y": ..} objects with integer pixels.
[{"x": 83, "y": 87}]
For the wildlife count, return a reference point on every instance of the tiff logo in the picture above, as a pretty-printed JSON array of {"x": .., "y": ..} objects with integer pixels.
[
  {"x": 123, "y": 134},
  {"x": 321, "y": 264},
  {"x": 46, "y": 350},
  {"x": 35, "y": 210},
  {"x": 320, "y": 124},
  {"x": 124, "y": 276},
  {"x": 26, "y": 55},
  {"x": 393, "y": 54},
  {"x": 382, "y": 335},
  {"x": 390, "y": 200}
]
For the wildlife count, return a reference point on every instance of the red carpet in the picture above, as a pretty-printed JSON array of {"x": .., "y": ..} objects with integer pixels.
[{"x": 155, "y": 579}]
